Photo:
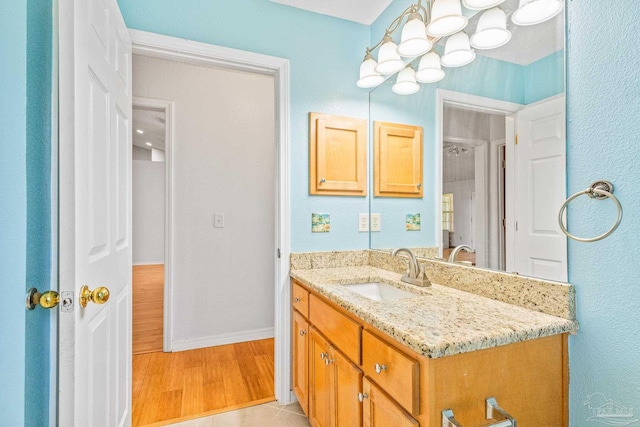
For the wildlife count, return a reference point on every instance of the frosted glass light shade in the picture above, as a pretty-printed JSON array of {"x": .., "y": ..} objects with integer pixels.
[
  {"x": 429, "y": 69},
  {"x": 368, "y": 76},
  {"x": 406, "y": 82},
  {"x": 531, "y": 12},
  {"x": 457, "y": 51},
  {"x": 491, "y": 31},
  {"x": 481, "y": 4},
  {"x": 389, "y": 61},
  {"x": 414, "y": 40},
  {"x": 446, "y": 18}
]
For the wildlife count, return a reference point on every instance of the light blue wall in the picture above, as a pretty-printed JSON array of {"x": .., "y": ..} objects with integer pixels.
[
  {"x": 604, "y": 139},
  {"x": 544, "y": 78},
  {"x": 324, "y": 69},
  {"x": 13, "y": 209},
  {"x": 39, "y": 30},
  {"x": 25, "y": 70}
]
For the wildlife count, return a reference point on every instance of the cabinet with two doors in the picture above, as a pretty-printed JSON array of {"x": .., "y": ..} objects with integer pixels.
[{"x": 348, "y": 373}]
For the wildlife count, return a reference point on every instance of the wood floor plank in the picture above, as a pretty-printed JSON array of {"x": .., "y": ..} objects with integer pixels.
[
  {"x": 148, "y": 306},
  {"x": 183, "y": 385}
]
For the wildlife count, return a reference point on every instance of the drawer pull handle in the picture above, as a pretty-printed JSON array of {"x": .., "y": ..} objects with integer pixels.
[
  {"x": 362, "y": 397},
  {"x": 303, "y": 332},
  {"x": 297, "y": 299},
  {"x": 492, "y": 407},
  {"x": 327, "y": 361},
  {"x": 323, "y": 355},
  {"x": 380, "y": 368}
]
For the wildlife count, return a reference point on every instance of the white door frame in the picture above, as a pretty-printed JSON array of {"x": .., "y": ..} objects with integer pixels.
[
  {"x": 171, "y": 48},
  {"x": 167, "y": 311},
  {"x": 469, "y": 102}
]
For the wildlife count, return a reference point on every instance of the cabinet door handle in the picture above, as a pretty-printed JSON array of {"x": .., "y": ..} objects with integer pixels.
[
  {"x": 380, "y": 368},
  {"x": 362, "y": 396},
  {"x": 303, "y": 332},
  {"x": 506, "y": 420},
  {"x": 297, "y": 299},
  {"x": 323, "y": 355},
  {"x": 327, "y": 361}
]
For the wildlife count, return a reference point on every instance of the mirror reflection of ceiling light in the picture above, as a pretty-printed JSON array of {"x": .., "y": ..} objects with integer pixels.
[
  {"x": 425, "y": 24},
  {"x": 140, "y": 131},
  {"x": 149, "y": 144}
]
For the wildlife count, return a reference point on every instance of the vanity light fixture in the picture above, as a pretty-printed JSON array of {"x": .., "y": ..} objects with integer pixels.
[
  {"x": 424, "y": 25},
  {"x": 140, "y": 131},
  {"x": 454, "y": 149},
  {"x": 429, "y": 69},
  {"x": 531, "y": 12},
  {"x": 457, "y": 51},
  {"x": 406, "y": 83},
  {"x": 491, "y": 31}
]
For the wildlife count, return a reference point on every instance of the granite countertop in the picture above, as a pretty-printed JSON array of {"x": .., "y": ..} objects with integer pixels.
[{"x": 439, "y": 321}]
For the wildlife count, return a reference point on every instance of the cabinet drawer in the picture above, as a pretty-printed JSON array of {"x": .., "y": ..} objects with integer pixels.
[
  {"x": 394, "y": 371},
  {"x": 300, "y": 299},
  {"x": 338, "y": 328}
]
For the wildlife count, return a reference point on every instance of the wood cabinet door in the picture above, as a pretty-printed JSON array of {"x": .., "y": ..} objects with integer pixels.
[
  {"x": 337, "y": 155},
  {"x": 319, "y": 380},
  {"x": 347, "y": 383},
  {"x": 397, "y": 166},
  {"x": 300, "y": 340},
  {"x": 379, "y": 410}
]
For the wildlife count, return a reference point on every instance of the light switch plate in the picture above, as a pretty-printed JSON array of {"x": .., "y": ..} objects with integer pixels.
[
  {"x": 376, "y": 222},
  {"x": 218, "y": 220},
  {"x": 363, "y": 222}
]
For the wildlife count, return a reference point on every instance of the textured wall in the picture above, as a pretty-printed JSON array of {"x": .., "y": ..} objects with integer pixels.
[
  {"x": 13, "y": 208},
  {"x": 603, "y": 136}
]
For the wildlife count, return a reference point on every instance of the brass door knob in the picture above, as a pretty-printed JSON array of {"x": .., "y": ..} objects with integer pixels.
[
  {"x": 99, "y": 295},
  {"x": 48, "y": 299}
]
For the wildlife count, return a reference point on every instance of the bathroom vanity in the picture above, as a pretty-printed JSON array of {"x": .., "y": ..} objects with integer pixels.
[{"x": 403, "y": 360}]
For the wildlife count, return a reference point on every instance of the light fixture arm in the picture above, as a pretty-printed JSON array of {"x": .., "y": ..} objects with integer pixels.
[{"x": 395, "y": 24}]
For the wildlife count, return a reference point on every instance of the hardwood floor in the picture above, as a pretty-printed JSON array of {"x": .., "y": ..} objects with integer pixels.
[
  {"x": 170, "y": 387},
  {"x": 148, "y": 298}
]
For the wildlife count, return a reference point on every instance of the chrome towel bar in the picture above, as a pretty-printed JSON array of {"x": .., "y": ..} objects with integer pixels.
[{"x": 598, "y": 190}]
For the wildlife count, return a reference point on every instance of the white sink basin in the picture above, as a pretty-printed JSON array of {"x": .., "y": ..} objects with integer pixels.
[{"x": 379, "y": 291}]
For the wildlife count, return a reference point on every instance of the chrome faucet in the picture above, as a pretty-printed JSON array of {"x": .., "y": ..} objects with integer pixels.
[
  {"x": 415, "y": 274},
  {"x": 454, "y": 253}
]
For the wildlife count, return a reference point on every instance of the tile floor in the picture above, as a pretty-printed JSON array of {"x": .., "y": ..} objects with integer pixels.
[{"x": 268, "y": 414}]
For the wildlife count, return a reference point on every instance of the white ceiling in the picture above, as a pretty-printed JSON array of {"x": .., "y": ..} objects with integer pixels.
[
  {"x": 361, "y": 11},
  {"x": 528, "y": 44},
  {"x": 152, "y": 123}
]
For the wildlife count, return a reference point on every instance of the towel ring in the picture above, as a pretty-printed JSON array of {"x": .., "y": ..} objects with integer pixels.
[{"x": 598, "y": 190}]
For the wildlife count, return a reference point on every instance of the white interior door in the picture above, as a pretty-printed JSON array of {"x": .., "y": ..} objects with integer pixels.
[
  {"x": 540, "y": 190},
  {"x": 95, "y": 213}
]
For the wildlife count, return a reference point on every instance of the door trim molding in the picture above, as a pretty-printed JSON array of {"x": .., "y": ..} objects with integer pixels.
[
  {"x": 168, "y": 108},
  {"x": 172, "y": 48}
]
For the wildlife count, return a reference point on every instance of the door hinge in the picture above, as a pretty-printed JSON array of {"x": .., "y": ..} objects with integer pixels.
[
  {"x": 504, "y": 164},
  {"x": 516, "y": 225},
  {"x": 516, "y": 139},
  {"x": 504, "y": 223},
  {"x": 278, "y": 252}
]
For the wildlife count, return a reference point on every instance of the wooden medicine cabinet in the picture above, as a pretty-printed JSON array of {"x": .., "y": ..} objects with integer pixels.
[
  {"x": 337, "y": 155},
  {"x": 397, "y": 168}
]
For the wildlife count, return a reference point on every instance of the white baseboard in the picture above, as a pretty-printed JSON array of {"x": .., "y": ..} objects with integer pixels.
[
  {"x": 149, "y": 262},
  {"x": 213, "y": 340}
]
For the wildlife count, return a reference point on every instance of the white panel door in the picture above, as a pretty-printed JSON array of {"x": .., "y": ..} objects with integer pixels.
[
  {"x": 540, "y": 191},
  {"x": 95, "y": 213}
]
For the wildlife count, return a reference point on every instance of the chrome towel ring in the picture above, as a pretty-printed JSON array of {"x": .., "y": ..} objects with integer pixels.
[{"x": 598, "y": 190}]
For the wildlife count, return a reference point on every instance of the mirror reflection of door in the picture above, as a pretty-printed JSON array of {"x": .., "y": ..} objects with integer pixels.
[{"x": 471, "y": 173}]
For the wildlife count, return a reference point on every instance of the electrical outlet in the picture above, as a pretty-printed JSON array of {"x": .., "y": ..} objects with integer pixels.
[
  {"x": 363, "y": 222},
  {"x": 218, "y": 220},
  {"x": 376, "y": 222}
]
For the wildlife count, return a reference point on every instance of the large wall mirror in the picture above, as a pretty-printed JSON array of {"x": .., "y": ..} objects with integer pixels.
[{"x": 493, "y": 156}]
